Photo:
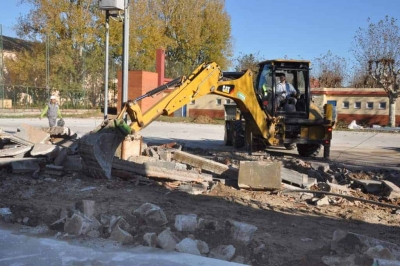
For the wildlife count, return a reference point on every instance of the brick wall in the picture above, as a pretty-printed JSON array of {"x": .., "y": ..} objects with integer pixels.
[{"x": 211, "y": 113}]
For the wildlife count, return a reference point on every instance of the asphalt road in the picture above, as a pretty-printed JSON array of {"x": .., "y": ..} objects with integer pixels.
[{"x": 357, "y": 148}]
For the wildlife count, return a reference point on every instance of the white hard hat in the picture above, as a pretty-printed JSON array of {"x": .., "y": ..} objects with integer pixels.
[{"x": 52, "y": 97}]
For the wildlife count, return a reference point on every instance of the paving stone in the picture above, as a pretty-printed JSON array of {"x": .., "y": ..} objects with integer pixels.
[
  {"x": 207, "y": 224},
  {"x": 189, "y": 246},
  {"x": 202, "y": 247},
  {"x": 186, "y": 222},
  {"x": 32, "y": 134},
  {"x": 152, "y": 214},
  {"x": 167, "y": 240},
  {"x": 121, "y": 236},
  {"x": 51, "y": 151},
  {"x": 223, "y": 252},
  {"x": 78, "y": 224},
  {"x": 240, "y": 231},
  {"x": 150, "y": 239}
]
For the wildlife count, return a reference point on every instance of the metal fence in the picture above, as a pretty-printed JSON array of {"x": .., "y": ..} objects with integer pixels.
[{"x": 28, "y": 97}]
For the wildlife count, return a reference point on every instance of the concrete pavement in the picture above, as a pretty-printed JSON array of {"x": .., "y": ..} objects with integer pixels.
[{"x": 16, "y": 249}]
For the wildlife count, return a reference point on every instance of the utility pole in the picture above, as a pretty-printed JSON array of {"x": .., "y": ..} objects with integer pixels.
[
  {"x": 125, "y": 59},
  {"x": 1, "y": 66}
]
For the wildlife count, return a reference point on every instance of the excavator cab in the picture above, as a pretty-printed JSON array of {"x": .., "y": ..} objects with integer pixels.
[{"x": 284, "y": 99}]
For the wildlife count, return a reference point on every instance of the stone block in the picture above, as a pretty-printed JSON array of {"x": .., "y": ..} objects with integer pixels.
[
  {"x": 167, "y": 240},
  {"x": 78, "y": 224},
  {"x": 121, "y": 236},
  {"x": 48, "y": 150},
  {"x": 151, "y": 214},
  {"x": 188, "y": 246},
  {"x": 186, "y": 222},
  {"x": 260, "y": 175},
  {"x": 239, "y": 231},
  {"x": 32, "y": 134},
  {"x": 223, "y": 252},
  {"x": 202, "y": 247},
  {"x": 24, "y": 166},
  {"x": 150, "y": 239}
]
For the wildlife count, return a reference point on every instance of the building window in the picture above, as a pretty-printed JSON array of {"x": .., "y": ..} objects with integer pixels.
[
  {"x": 382, "y": 105},
  {"x": 228, "y": 101},
  {"x": 357, "y": 105},
  {"x": 219, "y": 101},
  {"x": 346, "y": 105},
  {"x": 370, "y": 105},
  {"x": 193, "y": 102}
]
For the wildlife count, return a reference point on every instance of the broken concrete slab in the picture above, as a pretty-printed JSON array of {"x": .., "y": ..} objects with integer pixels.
[
  {"x": 152, "y": 162},
  {"x": 8, "y": 161},
  {"x": 186, "y": 222},
  {"x": 295, "y": 178},
  {"x": 49, "y": 150},
  {"x": 242, "y": 232},
  {"x": 32, "y": 134},
  {"x": 11, "y": 152},
  {"x": 369, "y": 186},
  {"x": 131, "y": 146},
  {"x": 152, "y": 214},
  {"x": 158, "y": 172},
  {"x": 150, "y": 239},
  {"x": 121, "y": 236},
  {"x": 59, "y": 131},
  {"x": 78, "y": 224},
  {"x": 167, "y": 240},
  {"x": 223, "y": 252},
  {"x": 189, "y": 246},
  {"x": 24, "y": 166},
  {"x": 320, "y": 166},
  {"x": 206, "y": 164},
  {"x": 390, "y": 190},
  {"x": 260, "y": 175}
]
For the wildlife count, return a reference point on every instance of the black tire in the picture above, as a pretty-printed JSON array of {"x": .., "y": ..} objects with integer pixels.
[
  {"x": 308, "y": 150},
  {"x": 238, "y": 135},
  {"x": 228, "y": 134},
  {"x": 290, "y": 146}
]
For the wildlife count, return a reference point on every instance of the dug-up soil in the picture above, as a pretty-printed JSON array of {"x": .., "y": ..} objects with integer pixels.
[{"x": 290, "y": 231}]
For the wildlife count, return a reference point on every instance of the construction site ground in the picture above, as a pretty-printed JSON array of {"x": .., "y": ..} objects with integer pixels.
[{"x": 290, "y": 230}]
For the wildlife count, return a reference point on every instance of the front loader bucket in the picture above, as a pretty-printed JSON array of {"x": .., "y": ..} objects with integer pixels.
[{"x": 97, "y": 151}]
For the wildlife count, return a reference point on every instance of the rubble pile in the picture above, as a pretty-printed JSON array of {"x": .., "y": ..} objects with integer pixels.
[{"x": 50, "y": 158}]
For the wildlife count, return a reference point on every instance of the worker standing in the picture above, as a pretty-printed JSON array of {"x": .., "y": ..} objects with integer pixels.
[{"x": 52, "y": 110}]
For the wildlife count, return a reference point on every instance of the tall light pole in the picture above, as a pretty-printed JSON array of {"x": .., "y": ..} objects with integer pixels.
[{"x": 116, "y": 5}]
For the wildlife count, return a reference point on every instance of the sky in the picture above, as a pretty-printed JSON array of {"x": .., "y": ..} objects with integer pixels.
[{"x": 298, "y": 29}]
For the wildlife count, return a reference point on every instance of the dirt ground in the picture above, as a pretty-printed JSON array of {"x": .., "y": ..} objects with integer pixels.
[{"x": 291, "y": 231}]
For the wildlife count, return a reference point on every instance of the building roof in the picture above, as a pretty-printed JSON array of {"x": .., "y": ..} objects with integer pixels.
[
  {"x": 348, "y": 91},
  {"x": 14, "y": 44}
]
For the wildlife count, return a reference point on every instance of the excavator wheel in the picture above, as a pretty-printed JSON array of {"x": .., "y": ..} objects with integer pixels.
[
  {"x": 97, "y": 151},
  {"x": 228, "y": 134},
  {"x": 308, "y": 150},
  {"x": 238, "y": 140},
  {"x": 290, "y": 146}
]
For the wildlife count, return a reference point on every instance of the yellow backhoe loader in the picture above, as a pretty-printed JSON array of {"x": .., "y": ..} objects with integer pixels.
[{"x": 262, "y": 114}]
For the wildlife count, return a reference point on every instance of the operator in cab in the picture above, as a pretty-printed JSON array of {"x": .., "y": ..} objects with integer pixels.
[{"x": 285, "y": 90}]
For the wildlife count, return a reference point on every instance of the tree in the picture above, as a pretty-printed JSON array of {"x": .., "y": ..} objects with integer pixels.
[
  {"x": 378, "y": 48},
  {"x": 247, "y": 61},
  {"x": 191, "y": 31},
  {"x": 330, "y": 70}
]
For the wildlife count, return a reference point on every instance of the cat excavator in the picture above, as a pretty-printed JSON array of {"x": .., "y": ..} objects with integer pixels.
[{"x": 262, "y": 114}]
